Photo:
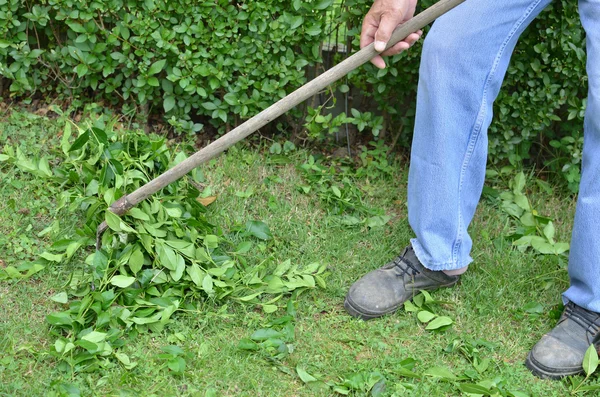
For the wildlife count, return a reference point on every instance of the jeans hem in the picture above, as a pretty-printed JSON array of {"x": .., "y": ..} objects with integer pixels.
[{"x": 436, "y": 266}]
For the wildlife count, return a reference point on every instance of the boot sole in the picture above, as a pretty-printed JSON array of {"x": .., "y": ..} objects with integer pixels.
[
  {"x": 364, "y": 316},
  {"x": 544, "y": 372}
]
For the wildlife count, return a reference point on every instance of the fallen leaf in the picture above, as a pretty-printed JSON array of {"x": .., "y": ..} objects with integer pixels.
[
  {"x": 206, "y": 201},
  {"x": 2, "y": 264}
]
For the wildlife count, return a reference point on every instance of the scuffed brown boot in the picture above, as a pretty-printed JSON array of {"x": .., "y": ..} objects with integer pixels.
[
  {"x": 560, "y": 352},
  {"x": 382, "y": 291}
]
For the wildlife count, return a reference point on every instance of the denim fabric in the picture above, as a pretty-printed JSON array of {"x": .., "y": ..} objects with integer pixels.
[
  {"x": 465, "y": 57},
  {"x": 584, "y": 259}
]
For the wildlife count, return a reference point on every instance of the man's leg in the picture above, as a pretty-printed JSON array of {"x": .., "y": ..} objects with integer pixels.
[
  {"x": 561, "y": 351},
  {"x": 464, "y": 60},
  {"x": 584, "y": 260}
]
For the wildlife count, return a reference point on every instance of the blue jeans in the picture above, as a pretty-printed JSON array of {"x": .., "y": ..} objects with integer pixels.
[{"x": 464, "y": 61}]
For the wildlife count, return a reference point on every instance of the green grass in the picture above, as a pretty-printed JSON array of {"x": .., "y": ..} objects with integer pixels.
[{"x": 488, "y": 304}]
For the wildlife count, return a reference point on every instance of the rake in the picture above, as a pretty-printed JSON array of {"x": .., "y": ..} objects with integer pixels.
[{"x": 125, "y": 203}]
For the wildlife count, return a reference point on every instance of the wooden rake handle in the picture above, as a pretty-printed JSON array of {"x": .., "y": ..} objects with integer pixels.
[{"x": 311, "y": 88}]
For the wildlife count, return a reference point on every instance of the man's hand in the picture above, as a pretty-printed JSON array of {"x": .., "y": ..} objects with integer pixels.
[{"x": 379, "y": 24}]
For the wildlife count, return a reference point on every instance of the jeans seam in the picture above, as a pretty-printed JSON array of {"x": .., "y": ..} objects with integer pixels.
[
  {"x": 437, "y": 266},
  {"x": 476, "y": 132}
]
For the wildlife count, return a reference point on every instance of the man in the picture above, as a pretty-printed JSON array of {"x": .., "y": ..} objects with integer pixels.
[{"x": 464, "y": 60}]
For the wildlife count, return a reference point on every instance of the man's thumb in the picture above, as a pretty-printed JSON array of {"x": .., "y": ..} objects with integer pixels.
[{"x": 387, "y": 24}]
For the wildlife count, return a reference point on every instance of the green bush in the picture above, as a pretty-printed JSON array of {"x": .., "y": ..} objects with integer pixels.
[
  {"x": 220, "y": 59},
  {"x": 224, "y": 61}
]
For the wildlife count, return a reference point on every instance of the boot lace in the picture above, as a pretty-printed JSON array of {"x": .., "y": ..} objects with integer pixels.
[
  {"x": 405, "y": 266},
  {"x": 588, "y": 320}
]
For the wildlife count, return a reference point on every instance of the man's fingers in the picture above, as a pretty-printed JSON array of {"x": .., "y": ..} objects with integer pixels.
[
  {"x": 379, "y": 62},
  {"x": 403, "y": 45},
  {"x": 396, "y": 49},
  {"x": 367, "y": 35},
  {"x": 387, "y": 24}
]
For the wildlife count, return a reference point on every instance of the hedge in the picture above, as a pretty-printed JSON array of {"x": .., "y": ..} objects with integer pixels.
[{"x": 223, "y": 61}]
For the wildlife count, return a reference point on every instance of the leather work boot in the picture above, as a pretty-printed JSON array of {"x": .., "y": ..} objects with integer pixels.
[
  {"x": 382, "y": 291},
  {"x": 560, "y": 352}
]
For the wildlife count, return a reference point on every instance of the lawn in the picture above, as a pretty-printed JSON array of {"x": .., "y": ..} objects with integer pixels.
[{"x": 506, "y": 301}]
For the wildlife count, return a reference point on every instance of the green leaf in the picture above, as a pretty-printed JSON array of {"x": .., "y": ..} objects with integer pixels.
[
  {"x": 209, "y": 106},
  {"x": 588, "y": 388},
  {"x": 410, "y": 307},
  {"x": 136, "y": 261},
  {"x": 590, "y": 360},
  {"x": 533, "y": 308},
  {"x": 125, "y": 360},
  {"x": 95, "y": 337},
  {"x": 153, "y": 82},
  {"x": 248, "y": 298},
  {"x": 173, "y": 350},
  {"x": 560, "y": 248},
  {"x": 522, "y": 202},
  {"x": 211, "y": 241},
  {"x": 305, "y": 376},
  {"x": 296, "y": 21},
  {"x": 244, "y": 247},
  {"x": 168, "y": 103},
  {"x": 265, "y": 333},
  {"x": 269, "y": 308},
  {"x": 80, "y": 141},
  {"x": 44, "y": 167},
  {"x": 61, "y": 297},
  {"x": 322, "y": 4},
  {"x": 60, "y": 318},
  {"x": 424, "y": 316},
  {"x": 336, "y": 191},
  {"x": 51, "y": 257},
  {"x": 177, "y": 365},
  {"x": 196, "y": 274},
  {"x": 474, "y": 389},
  {"x": 139, "y": 214},
  {"x": 259, "y": 230},
  {"x": 166, "y": 256},
  {"x": 440, "y": 372},
  {"x": 519, "y": 183},
  {"x": 275, "y": 286},
  {"x": 549, "y": 232},
  {"x": 207, "y": 284},
  {"x": 247, "y": 344},
  {"x": 122, "y": 281},
  {"x": 157, "y": 67},
  {"x": 231, "y": 98},
  {"x": 282, "y": 268},
  {"x": 378, "y": 221},
  {"x": 439, "y": 322},
  {"x": 112, "y": 220},
  {"x": 542, "y": 247},
  {"x": 179, "y": 267},
  {"x": 313, "y": 30},
  {"x": 81, "y": 70},
  {"x": 185, "y": 247},
  {"x": 100, "y": 135}
]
